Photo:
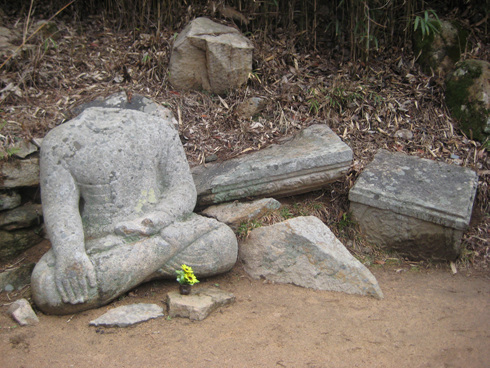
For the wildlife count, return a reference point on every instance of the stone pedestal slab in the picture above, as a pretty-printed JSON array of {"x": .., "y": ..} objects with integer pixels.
[
  {"x": 313, "y": 158},
  {"x": 418, "y": 207}
]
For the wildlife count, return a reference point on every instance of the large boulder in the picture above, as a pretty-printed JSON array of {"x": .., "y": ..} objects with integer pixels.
[
  {"x": 304, "y": 252},
  {"x": 468, "y": 97},
  {"x": 439, "y": 50},
  {"x": 207, "y": 55}
]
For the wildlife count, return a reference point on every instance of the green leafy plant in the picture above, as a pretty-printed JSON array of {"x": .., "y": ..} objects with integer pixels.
[
  {"x": 245, "y": 227},
  {"x": 185, "y": 276},
  {"x": 428, "y": 23}
]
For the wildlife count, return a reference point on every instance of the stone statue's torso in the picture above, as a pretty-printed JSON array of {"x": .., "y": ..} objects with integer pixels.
[{"x": 117, "y": 167}]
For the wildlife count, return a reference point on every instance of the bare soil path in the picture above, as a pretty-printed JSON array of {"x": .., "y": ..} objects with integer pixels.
[{"x": 429, "y": 318}]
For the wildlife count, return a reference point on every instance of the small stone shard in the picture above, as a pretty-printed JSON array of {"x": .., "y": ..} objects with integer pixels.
[
  {"x": 128, "y": 315},
  {"x": 21, "y": 311},
  {"x": 199, "y": 304}
]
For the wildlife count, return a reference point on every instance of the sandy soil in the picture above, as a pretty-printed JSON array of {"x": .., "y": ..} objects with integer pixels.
[{"x": 429, "y": 318}]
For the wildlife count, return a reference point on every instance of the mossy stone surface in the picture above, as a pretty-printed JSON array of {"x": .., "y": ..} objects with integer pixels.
[
  {"x": 439, "y": 51},
  {"x": 468, "y": 97}
]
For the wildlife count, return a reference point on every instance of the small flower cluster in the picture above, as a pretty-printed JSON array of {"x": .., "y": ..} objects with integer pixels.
[{"x": 186, "y": 276}]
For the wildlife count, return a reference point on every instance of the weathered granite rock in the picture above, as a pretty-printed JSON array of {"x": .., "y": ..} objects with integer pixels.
[
  {"x": 304, "y": 252},
  {"x": 235, "y": 213},
  {"x": 9, "y": 200},
  {"x": 23, "y": 149},
  {"x": 199, "y": 304},
  {"x": 13, "y": 243},
  {"x": 468, "y": 97},
  {"x": 21, "y": 311},
  {"x": 314, "y": 158},
  {"x": 128, "y": 315},
  {"x": 28, "y": 215},
  {"x": 117, "y": 185},
  {"x": 16, "y": 278},
  {"x": 208, "y": 55},
  {"x": 137, "y": 103},
  {"x": 250, "y": 107},
  {"x": 19, "y": 173},
  {"x": 415, "y": 206},
  {"x": 440, "y": 50}
]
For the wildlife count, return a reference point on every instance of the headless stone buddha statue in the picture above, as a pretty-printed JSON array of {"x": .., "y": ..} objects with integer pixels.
[{"x": 118, "y": 200}]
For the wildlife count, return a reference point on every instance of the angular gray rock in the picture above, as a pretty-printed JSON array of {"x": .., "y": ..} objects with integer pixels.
[
  {"x": 250, "y": 107},
  {"x": 16, "y": 278},
  {"x": 20, "y": 173},
  {"x": 304, "y": 252},
  {"x": 415, "y": 206},
  {"x": 128, "y": 315},
  {"x": 13, "y": 243},
  {"x": 208, "y": 55},
  {"x": 235, "y": 213},
  {"x": 9, "y": 200},
  {"x": 30, "y": 214},
  {"x": 21, "y": 311},
  {"x": 312, "y": 159},
  {"x": 199, "y": 304}
]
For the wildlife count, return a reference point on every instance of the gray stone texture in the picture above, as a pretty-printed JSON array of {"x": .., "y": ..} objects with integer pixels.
[
  {"x": 13, "y": 243},
  {"x": 117, "y": 198},
  {"x": 28, "y": 215},
  {"x": 21, "y": 311},
  {"x": 199, "y": 304},
  {"x": 468, "y": 97},
  {"x": 304, "y": 252},
  {"x": 16, "y": 278},
  {"x": 128, "y": 315},
  {"x": 312, "y": 159},
  {"x": 250, "y": 107},
  {"x": 19, "y": 173},
  {"x": 235, "y": 213},
  {"x": 9, "y": 200},
  {"x": 24, "y": 149},
  {"x": 415, "y": 206},
  {"x": 208, "y": 55},
  {"x": 137, "y": 103}
]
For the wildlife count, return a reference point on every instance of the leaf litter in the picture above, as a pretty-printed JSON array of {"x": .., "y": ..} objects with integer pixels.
[{"x": 387, "y": 103}]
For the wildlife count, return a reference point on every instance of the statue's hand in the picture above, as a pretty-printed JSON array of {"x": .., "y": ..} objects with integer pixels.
[
  {"x": 148, "y": 225},
  {"x": 75, "y": 274}
]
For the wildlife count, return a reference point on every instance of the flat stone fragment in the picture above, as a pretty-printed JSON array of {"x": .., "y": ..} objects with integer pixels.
[
  {"x": 415, "y": 206},
  {"x": 30, "y": 214},
  {"x": 304, "y": 252},
  {"x": 199, "y": 304},
  {"x": 22, "y": 312},
  {"x": 10, "y": 200},
  {"x": 128, "y": 315},
  {"x": 312, "y": 159},
  {"x": 235, "y": 213},
  {"x": 20, "y": 173}
]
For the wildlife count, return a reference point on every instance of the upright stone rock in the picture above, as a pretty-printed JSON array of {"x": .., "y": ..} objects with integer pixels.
[
  {"x": 468, "y": 97},
  {"x": 314, "y": 158},
  {"x": 304, "y": 252},
  {"x": 208, "y": 55},
  {"x": 439, "y": 50},
  {"x": 414, "y": 206}
]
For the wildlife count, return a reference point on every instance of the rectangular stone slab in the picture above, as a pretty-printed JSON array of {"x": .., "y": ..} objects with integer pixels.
[
  {"x": 313, "y": 158},
  {"x": 424, "y": 189}
]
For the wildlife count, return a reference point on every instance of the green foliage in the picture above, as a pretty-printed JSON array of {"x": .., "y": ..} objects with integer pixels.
[
  {"x": 245, "y": 228},
  {"x": 427, "y": 24},
  {"x": 346, "y": 221}
]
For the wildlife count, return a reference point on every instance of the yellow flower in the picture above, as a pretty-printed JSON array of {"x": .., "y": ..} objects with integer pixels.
[{"x": 187, "y": 269}]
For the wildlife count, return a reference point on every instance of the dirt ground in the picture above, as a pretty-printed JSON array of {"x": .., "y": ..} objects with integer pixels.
[{"x": 428, "y": 318}]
